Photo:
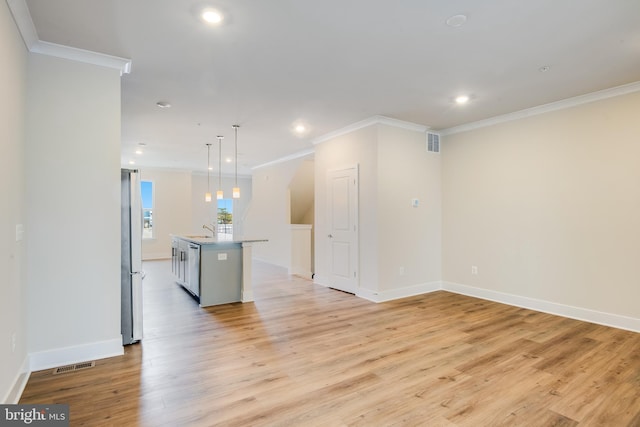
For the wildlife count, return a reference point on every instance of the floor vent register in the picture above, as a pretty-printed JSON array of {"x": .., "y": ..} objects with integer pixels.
[{"x": 74, "y": 367}]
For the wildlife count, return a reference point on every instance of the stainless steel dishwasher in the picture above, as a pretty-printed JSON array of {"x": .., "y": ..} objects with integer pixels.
[{"x": 194, "y": 269}]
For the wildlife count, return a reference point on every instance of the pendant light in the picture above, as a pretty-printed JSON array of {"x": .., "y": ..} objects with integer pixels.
[
  {"x": 219, "y": 193},
  {"x": 207, "y": 195},
  {"x": 236, "y": 189}
]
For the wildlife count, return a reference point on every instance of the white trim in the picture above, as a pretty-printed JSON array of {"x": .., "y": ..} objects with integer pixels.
[
  {"x": 80, "y": 353},
  {"x": 20, "y": 382},
  {"x": 321, "y": 280},
  {"x": 383, "y": 120},
  {"x": 293, "y": 156},
  {"x": 22, "y": 18},
  {"x": 246, "y": 292},
  {"x": 154, "y": 256},
  {"x": 247, "y": 296},
  {"x": 296, "y": 271},
  {"x": 24, "y": 22},
  {"x": 81, "y": 55},
  {"x": 592, "y": 316},
  {"x": 586, "y": 315},
  {"x": 546, "y": 108},
  {"x": 300, "y": 226},
  {"x": 393, "y": 294}
]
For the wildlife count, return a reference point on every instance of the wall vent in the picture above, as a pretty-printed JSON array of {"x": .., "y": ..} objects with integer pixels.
[
  {"x": 74, "y": 367},
  {"x": 433, "y": 142}
]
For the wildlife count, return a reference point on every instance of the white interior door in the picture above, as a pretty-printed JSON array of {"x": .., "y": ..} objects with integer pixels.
[{"x": 343, "y": 228}]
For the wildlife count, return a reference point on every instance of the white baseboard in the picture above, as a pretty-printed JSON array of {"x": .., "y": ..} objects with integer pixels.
[
  {"x": 19, "y": 384},
  {"x": 392, "y": 294},
  {"x": 592, "y": 316},
  {"x": 247, "y": 296},
  {"x": 321, "y": 280},
  {"x": 306, "y": 274},
  {"x": 156, "y": 256},
  {"x": 268, "y": 261},
  {"x": 75, "y": 354}
]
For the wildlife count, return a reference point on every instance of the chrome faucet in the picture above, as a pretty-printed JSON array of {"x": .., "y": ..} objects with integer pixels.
[{"x": 212, "y": 229}]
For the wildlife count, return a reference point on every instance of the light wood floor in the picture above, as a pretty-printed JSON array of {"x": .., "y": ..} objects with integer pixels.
[{"x": 304, "y": 355}]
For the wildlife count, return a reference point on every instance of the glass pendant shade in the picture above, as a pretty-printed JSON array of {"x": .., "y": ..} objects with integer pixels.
[
  {"x": 236, "y": 192},
  {"x": 219, "y": 195},
  {"x": 207, "y": 197}
]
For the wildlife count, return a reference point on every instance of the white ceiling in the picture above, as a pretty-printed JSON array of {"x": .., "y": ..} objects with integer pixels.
[{"x": 332, "y": 63}]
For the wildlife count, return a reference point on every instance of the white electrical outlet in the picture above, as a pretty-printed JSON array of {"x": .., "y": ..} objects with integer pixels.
[
  {"x": 402, "y": 271},
  {"x": 222, "y": 257},
  {"x": 474, "y": 270}
]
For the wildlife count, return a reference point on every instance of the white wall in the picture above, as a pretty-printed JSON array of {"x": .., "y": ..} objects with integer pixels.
[
  {"x": 548, "y": 207},
  {"x": 394, "y": 167},
  {"x": 73, "y": 220},
  {"x": 269, "y": 214},
  {"x": 179, "y": 207},
  {"x": 171, "y": 211},
  {"x": 13, "y": 309},
  {"x": 356, "y": 148},
  {"x": 409, "y": 238},
  {"x": 207, "y": 213}
]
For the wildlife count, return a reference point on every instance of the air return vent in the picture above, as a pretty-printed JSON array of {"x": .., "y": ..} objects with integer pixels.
[
  {"x": 433, "y": 142},
  {"x": 74, "y": 367}
]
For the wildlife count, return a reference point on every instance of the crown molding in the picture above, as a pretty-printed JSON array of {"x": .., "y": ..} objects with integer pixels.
[
  {"x": 375, "y": 120},
  {"x": 81, "y": 55},
  {"x": 546, "y": 108},
  {"x": 290, "y": 157},
  {"x": 22, "y": 18}
]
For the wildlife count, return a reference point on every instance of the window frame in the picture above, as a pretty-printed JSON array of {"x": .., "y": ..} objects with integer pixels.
[{"x": 151, "y": 209}]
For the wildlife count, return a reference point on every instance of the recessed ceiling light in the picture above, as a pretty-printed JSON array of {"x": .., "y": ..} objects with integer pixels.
[
  {"x": 228, "y": 159},
  {"x": 210, "y": 168},
  {"x": 163, "y": 104},
  {"x": 212, "y": 16},
  {"x": 456, "y": 20},
  {"x": 300, "y": 128},
  {"x": 544, "y": 68},
  {"x": 138, "y": 151},
  {"x": 131, "y": 162},
  {"x": 462, "y": 99}
]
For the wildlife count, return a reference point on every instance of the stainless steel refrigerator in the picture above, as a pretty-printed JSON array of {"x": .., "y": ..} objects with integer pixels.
[{"x": 131, "y": 270}]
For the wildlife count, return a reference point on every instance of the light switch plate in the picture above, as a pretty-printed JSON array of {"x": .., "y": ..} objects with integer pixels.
[
  {"x": 19, "y": 232},
  {"x": 222, "y": 257}
]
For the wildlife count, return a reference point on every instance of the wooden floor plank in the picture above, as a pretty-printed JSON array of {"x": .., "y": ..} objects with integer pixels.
[{"x": 302, "y": 354}]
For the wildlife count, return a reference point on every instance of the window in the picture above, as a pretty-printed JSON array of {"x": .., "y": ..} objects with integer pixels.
[
  {"x": 225, "y": 216},
  {"x": 146, "y": 188}
]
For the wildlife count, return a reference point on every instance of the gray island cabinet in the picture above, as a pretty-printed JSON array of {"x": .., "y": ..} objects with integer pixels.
[{"x": 214, "y": 271}]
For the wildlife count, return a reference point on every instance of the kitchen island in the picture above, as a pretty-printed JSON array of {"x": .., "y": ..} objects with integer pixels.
[{"x": 216, "y": 271}]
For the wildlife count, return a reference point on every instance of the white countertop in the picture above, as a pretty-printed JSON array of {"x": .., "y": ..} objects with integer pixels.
[{"x": 203, "y": 239}]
